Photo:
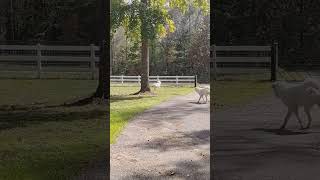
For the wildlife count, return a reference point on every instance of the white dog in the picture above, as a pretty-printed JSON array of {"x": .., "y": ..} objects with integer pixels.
[
  {"x": 203, "y": 92},
  {"x": 294, "y": 96},
  {"x": 157, "y": 84}
]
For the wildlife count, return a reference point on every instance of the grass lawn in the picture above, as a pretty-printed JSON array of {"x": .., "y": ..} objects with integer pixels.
[
  {"x": 40, "y": 142},
  {"x": 232, "y": 93},
  {"x": 124, "y": 107}
]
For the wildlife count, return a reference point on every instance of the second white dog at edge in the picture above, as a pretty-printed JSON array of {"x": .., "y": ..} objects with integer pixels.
[{"x": 157, "y": 84}]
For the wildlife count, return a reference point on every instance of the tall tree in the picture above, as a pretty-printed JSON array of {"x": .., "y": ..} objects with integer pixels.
[
  {"x": 144, "y": 51},
  {"x": 146, "y": 20}
]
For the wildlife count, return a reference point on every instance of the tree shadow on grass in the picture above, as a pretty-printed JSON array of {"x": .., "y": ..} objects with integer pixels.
[
  {"x": 281, "y": 132},
  {"x": 26, "y": 107},
  {"x": 22, "y": 118},
  {"x": 76, "y": 102},
  {"x": 117, "y": 98}
]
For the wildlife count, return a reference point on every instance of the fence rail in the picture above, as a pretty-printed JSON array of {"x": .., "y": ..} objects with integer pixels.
[
  {"x": 40, "y": 55},
  {"x": 243, "y": 48},
  {"x": 237, "y": 59},
  {"x": 152, "y": 79}
]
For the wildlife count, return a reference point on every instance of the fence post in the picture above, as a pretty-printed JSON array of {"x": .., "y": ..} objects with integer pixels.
[
  {"x": 157, "y": 78},
  {"x": 213, "y": 62},
  {"x": 195, "y": 81},
  {"x": 121, "y": 79},
  {"x": 92, "y": 61},
  {"x": 139, "y": 79},
  {"x": 274, "y": 61},
  {"x": 39, "y": 67}
]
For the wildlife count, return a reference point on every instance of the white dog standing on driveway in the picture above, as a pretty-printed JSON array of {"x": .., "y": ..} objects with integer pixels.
[
  {"x": 304, "y": 95},
  {"x": 203, "y": 92}
]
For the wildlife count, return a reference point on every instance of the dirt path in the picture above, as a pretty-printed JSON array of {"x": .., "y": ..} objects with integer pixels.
[
  {"x": 169, "y": 141},
  {"x": 248, "y": 145}
]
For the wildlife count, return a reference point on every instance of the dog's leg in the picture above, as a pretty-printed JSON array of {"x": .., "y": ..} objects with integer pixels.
[
  {"x": 202, "y": 96},
  {"x": 296, "y": 112},
  {"x": 199, "y": 99},
  {"x": 307, "y": 110},
  {"x": 206, "y": 98},
  {"x": 286, "y": 119}
]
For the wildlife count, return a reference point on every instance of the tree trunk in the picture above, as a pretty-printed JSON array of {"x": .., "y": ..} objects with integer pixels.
[
  {"x": 145, "y": 66},
  {"x": 102, "y": 90},
  {"x": 144, "y": 56}
]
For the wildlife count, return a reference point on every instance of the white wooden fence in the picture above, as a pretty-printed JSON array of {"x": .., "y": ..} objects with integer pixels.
[
  {"x": 237, "y": 64},
  {"x": 40, "y": 54},
  {"x": 152, "y": 79}
]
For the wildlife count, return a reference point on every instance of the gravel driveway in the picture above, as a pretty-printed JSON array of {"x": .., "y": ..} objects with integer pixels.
[{"x": 168, "y": 141}]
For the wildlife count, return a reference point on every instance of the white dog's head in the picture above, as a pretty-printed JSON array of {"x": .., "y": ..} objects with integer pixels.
[{"x": 312, "y": 91}]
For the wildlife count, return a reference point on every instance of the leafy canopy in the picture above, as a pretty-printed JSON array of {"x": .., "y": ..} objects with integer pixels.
[{"x": 152, "y": 20}]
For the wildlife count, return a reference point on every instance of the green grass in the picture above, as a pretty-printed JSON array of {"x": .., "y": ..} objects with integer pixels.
[
  {"x": 232, "y": 93},
  {"x": 124, "y": 106},
  {"x": 40, "y": 142}
]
